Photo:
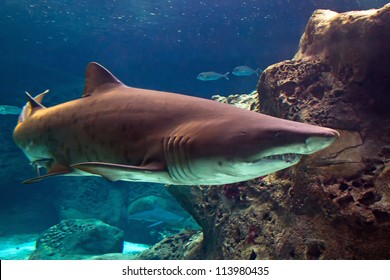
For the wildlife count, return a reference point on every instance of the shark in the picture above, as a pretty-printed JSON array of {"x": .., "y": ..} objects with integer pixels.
[
  {"x": 131, "y": 134},
  {"x": 156, "y": 216},
  {"x": 9, "y": 110}
]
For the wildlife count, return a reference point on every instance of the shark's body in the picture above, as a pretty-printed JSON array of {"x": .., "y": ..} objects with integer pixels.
[
  {"x": 156, "y": 216},
  {"x": 124, "y": 133}
]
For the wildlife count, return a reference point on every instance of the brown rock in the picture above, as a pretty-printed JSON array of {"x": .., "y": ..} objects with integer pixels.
[
  {"x": 340, "y": 56},
  {"x": 74, "y": 238},
  {"x": 356, "y": 42}
]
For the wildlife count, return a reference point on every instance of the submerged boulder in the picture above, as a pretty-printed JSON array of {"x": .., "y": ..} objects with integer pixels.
[
  {"x": 78, "y": 238},
  {"x": 335, "y": 204},
  {"x": 339, "y": 78},
  {"x": 181, "y": 246}
]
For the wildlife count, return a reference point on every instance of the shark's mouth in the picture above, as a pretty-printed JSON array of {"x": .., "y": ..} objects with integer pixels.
[{"x": 288, "y": 158}]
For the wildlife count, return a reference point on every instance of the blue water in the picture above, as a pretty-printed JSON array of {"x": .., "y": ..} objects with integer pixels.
[
  {"x": 155, "y": 44},
  {"x": 159, "y": 44}
]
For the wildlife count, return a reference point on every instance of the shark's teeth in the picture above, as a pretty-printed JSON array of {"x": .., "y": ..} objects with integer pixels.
[{"x": 284, "y": 157}]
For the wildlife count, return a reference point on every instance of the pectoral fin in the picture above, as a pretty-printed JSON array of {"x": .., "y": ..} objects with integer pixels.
[
  {"x": 155, "y": 224},
  {"x": 116, "y": 172},
  {"x": 54, "y": 170}
]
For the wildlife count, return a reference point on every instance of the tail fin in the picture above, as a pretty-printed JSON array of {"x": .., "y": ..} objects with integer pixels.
[
  {"x": 258, "y": 71},
  {"x": 32, "y": 105},
  {"x": 226, "y": 75}
]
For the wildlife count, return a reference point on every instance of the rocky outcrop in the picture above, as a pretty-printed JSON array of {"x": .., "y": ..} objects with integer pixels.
[
  {"x": 336, "y": 203},
  {"x": 78, "y": 239},
  {"x": 245, "y": 101},
  {"x": 338, "y": 79},
  {"x": 182, "y": 246}
]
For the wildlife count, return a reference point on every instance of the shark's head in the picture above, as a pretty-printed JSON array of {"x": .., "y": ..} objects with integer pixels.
[
  {"x": 37, "y": 153},
  {"x": 246, "y": 149}
]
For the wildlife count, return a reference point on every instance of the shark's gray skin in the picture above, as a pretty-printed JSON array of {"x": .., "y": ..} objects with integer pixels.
[
  {"x": 131, "y": 134},
  {"x": 156, "y": 216}
]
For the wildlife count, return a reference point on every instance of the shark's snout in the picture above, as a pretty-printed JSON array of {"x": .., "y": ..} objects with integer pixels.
[
  {"x": 331, "y": 133},
  {"x": 319, "y": 142}
]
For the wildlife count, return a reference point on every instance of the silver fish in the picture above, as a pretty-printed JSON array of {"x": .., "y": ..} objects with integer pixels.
[
  {"x": 212, "y": 76},
  {"x": 9, "y": 110},
  {"x": 245, "y": 71}
]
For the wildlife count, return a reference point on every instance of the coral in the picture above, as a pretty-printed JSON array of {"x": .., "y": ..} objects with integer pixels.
[
  {"x": 71, "y": 238},
  {"x": 244, "y": 101}
]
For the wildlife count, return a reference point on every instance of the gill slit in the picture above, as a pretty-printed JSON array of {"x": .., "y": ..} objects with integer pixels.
[
  {"x": 186, "y": 158},
  {"x": 167, "y": 155},
  {"x": 183, "y": 157},
  {"x": 175, "y": 166},
  {"x": 176, "y": 156}
]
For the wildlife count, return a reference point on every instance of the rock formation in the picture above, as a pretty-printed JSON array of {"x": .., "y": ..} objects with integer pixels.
[
  {"x": 182, "y": 246},
  {"x": 245, "y": 101},
  {"x": 338, "y": 79},
  {"x": 336, "y": 203},
  {"x": 78, "y": 239}
]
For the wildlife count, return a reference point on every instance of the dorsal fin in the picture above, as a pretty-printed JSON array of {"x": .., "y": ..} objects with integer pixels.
[
  {"x": 98, "y": 76},
  {"x": 33, "y": 104}
]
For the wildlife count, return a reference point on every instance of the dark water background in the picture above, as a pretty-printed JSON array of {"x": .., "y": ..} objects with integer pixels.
[{"x": 155, "y": 44}]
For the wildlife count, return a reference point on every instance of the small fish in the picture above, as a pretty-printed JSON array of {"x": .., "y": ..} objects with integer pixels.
[
  {"x": 245, "y": 71},
  {"x": 212, "y": 76},
  {"x": 9, "y": 110}
]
